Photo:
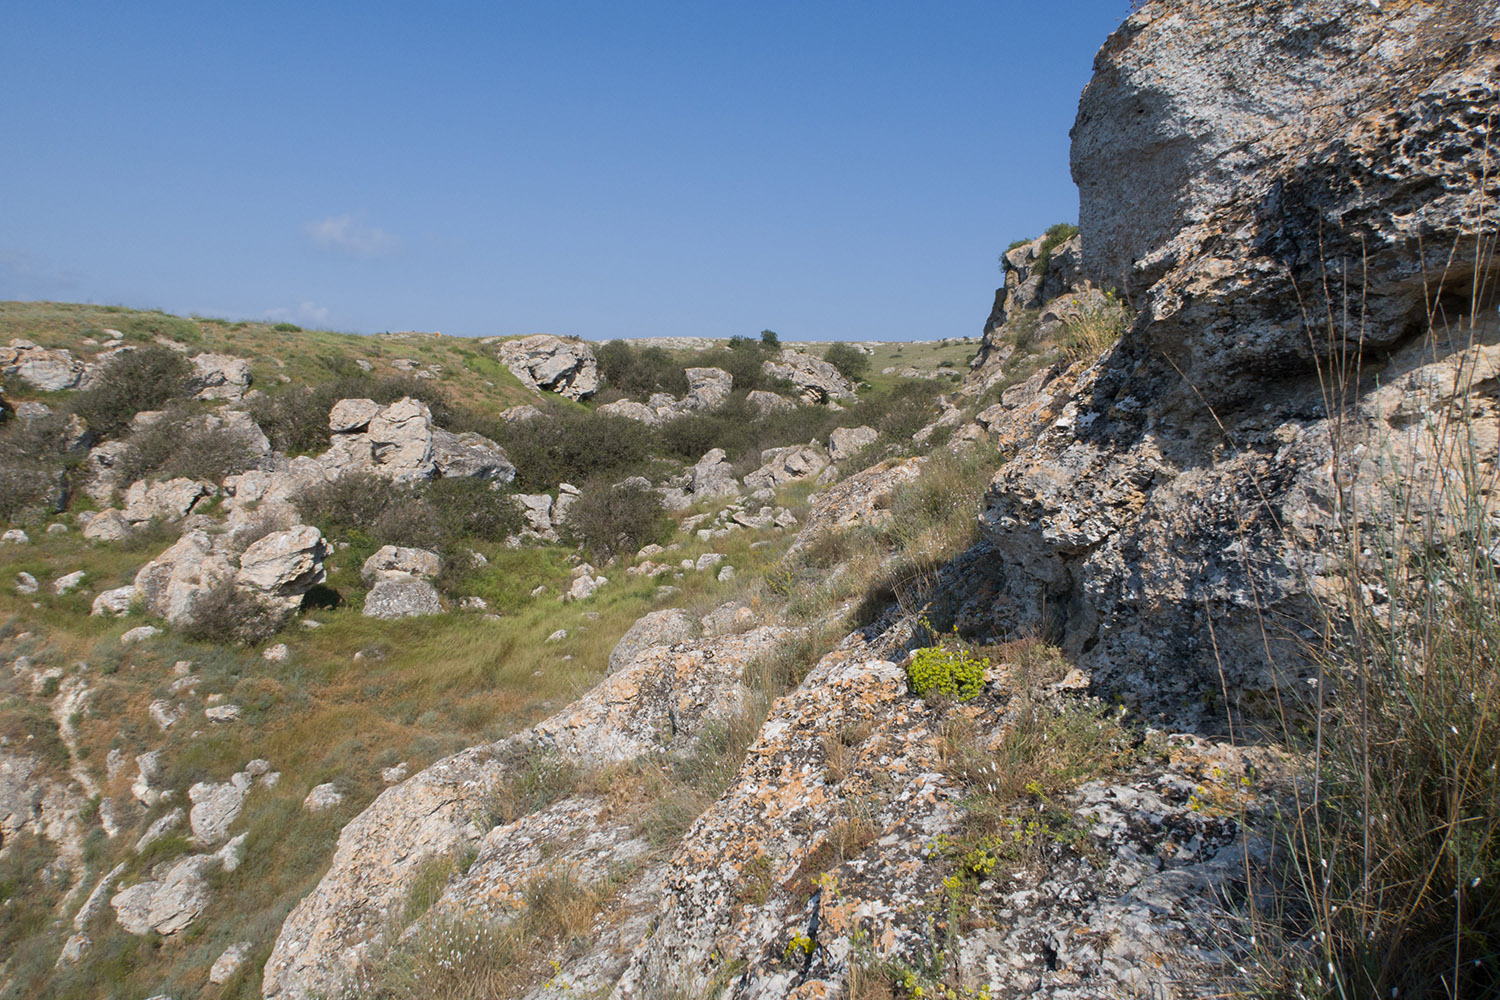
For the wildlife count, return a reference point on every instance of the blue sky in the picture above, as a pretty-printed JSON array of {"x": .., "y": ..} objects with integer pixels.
[{"x": 605, "y": 169}]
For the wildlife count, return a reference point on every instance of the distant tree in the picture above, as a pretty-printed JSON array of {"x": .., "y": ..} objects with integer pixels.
[
  {"x": 850, "y": 361},
  {"x": 769, "y": 341}
]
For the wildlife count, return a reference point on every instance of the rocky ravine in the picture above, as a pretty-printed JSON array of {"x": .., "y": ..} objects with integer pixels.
[{"x": 1154, "y": 506}]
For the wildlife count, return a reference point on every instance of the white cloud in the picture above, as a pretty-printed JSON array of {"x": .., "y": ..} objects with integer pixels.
[
  {"x": 306, "y": 313},
  {"x": 346, "y": 234}
]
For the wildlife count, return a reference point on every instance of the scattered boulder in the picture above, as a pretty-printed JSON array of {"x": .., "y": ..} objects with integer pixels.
[
  {"x": 783, "y": 465},
  {"x": 402, "y": 598},
  {"x": 219, "y": 376},
  {"x": 229, "y": 962},
  {"x": 523, "y": 412},
  {"x": 167, "y": 902},
  {"x": 106, "y": 526},
  {"x": 396, "y": 562},
  {"x": 322, "y": 798},
  {"x": 817, "y": 381},
  {"x": 276, "y": 654},
  {"x": 40, "y": 368},
  {"x": 169, "y": 500},
  {"x": 846, "y": 442},
  {"x": 115, "y": 602},
  {"x": 139, "y": 634},
  {"x": 552, "y": 364},
  {"x": 350, "y": 416},
  {"x": 708, "y": 389},
  {"x": 15, "y": 536},
  {"x": 862, "y": 499},
  {"x": 222, "y": 713},
  {"x": 216, "y": 805},
  {"x": 470, "y": 455},
  {"x": 401, "y": 438},
  {"x": 160, "y": 827},
  {"x": 67, "y": 583},
  {"x": 26, "y": 583},
  {"x": 283, "y": 566},
  {"x": 768, "y": 403},
  {"x": 631, "y": 410},
  {"x": 173, "y": 582}
]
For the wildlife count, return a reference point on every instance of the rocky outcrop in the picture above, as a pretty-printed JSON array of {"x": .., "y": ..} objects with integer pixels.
[
  {"x": 398, "y": 562},
  {"x": 552, "y": 364},
  {"x": 469, "y": 456},
  {"x": 40, "y": 368},
  {"x": 277, "y": 570},
  {"x": 862, "y": 499},
  {"x": 816, "y": 381},
  {"x": 175, "y": 894},
  {"x": 219, "y": 376},
  {"x": 783, "y": 465},
  {"x": 282, "y": 567},
  {"x": 169, "y": 500},
  {"x": 846, "y": 442},
  {"x": 1167, "y": 503},
  {"x": 659, "y": 628},
  {"x": 663, "y": 701}
]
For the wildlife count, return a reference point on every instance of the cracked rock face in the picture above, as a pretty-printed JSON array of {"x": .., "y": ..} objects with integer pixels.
[
  {"x": 40, "y": 368},
  {"x": 219, "y": 376},
  {"x": 552, "y": 364},
  {"x": 816, "y": 380}
]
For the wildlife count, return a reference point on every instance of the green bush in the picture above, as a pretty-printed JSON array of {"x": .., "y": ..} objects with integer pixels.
[
  {"x": 410, "y": 521},
  {"x": 571, "y": 447},
  {"x": 180, "y": 443},
  {"x": 296, "y": 419},
  {"x": 229, "y": 616},
  {"x": 352, "y": 501},
  {"x": 159, "y": 324},
  {"x": 473, "y": 508},
  {"x": 610, "y": 520},
  {"x": 949, "y": 672},
  {"x": 146, "y": 379},
  {"x": 639, "y": 373},
  {"x": 850, "y": 361},
  {"x": 741, "y": 359}
]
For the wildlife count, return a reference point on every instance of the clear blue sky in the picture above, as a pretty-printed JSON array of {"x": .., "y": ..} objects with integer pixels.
[{"x": 605, "y": 169}]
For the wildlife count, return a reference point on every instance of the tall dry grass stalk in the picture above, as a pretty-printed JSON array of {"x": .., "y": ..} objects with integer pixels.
[{"x": 1391, "y": 854}]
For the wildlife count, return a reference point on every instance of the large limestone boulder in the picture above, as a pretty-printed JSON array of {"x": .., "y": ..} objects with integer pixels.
[
  {"x": 769, "y": 402},
  {"x": 219, "y": 376},
  {"x": 708, "y": 388},
  {"x": 816, "y": 380},
  {"x": 846, "y": 442},
  {"x": 349, "y": 416},
  {"x": 169, "y": 900},
  {"x": 402, "y": 597},
  {"x": 103, "y": 474},
  {"x": 40, "y": 368},
  {"x": 862, "y": 499},
  {"x": 553, "y": 364},
  {"x": 469, "y": 455},
  {"x": 284, "y": 565},
  {"x": 783, "y": 465},
  {"x": 169, "y": 500},
  {"x": 397, "y": 562},
  {"x": 401, "y": 440},
  {"x": 216, "y": 805},
  {"x": 712, "y": 476},
  {"x": 173, "y": 582},
  {"x": 107, "y": 525},
  {"x": 631, "y": 410}
]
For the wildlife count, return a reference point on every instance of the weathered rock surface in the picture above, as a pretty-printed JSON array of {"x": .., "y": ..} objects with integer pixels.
[
  {"x": 402, "y": 597},
  {"x": 282, "y": 567},
  {"x": 659, "y": 628},
  {"x": 219, "y": 376},
  {"x": 40, "y": 368},
  {"x": 553, "y": 364},
  {"x": 864, "y": 498},
  {"x": 170, "y": 500},
  {"x": 816, "y": 380},
  {"x": 397, "y": 562},
  {"x": 783, "y": 465},
  {"x": 172, "y": 898},
  {"x": 470, "y": 456},
  {"x": 846, "y": 442},
  {"x": 1127, "y": 512}
]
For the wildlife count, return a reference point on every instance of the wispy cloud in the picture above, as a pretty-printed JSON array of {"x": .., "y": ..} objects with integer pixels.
[
  {"x": 347, "y": 234},
  {"x": 308, "y": 313}
]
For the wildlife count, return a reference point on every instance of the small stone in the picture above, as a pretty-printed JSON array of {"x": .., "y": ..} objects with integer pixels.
[
  {"x": 707, "y": 560},
  {"x": 139, "y": 634},
  {"x": 222, "y": 713},
  {"x": 26, "y": 583},
  {"x": 539, "y": 590},
  {"x": 322, "y": 798},
  {"x": 229, "y": 962},
  {"x": 15, "y": 536},
  {"x": 74, "y": 949},
  {"x": 164, "y": 714},
  {"x": 114, "y": 602},
  {"x": 67, "y": 584},
  {"x": 726, "y": 573},
  {"x": 57, "y": 528},
  {"x": 558, "y": 636},
  {"x": 276, "y": 654},
  {"x": 392, "y": 775}
]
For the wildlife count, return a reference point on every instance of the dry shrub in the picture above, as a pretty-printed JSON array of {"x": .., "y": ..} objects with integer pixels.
[{"x": 230, "y": 616}]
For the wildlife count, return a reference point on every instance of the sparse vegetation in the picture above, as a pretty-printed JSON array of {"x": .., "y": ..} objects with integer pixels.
[
  {"x": 849, "y": 360},
  {"x": 143, "y": 379},
  {"x": 615, "y": 519}
]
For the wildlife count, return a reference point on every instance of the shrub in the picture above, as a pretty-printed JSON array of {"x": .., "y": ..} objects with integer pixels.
[
  {"x": 769, "y": 341},
  {"x": 639, "y": 373},
  {"x": 409, "y": 521},
  {"x": 850, "y": 361},
  {"x": 473, "y": 507},
  {"x": 1055, "y": 236},
  {"x": 229, "y": 616},
  {"x": 181, "y": 443},
  {"x": 146, "y": 379},
  {"x": 28, "y": 491},
  {"x": 573, "y": 447},
  {"x": 742, "y": 360},
  {"x": 949, "y": 672},
  {"x": 353, "y": 501},
  {"x": 287, "y": 328},
  {"x": 1091, "y": 331},
  {"x": 611, "y": 520},
  {"x": 296, "y": 419}
]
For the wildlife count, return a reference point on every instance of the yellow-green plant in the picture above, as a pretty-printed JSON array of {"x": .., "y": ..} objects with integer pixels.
[{"x": 944, "y": 671}]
